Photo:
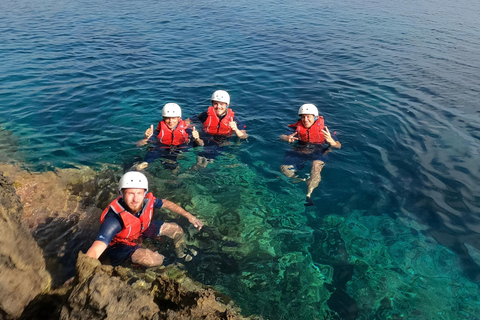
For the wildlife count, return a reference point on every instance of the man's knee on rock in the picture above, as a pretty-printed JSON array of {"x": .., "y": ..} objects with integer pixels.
[
  {"x": 147, "y": 258},
  {"x": 171, "y": 230}
]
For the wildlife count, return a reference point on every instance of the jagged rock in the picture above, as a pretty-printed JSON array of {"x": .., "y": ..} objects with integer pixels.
[
  {"x": 184, "y": 298},
  {"x": 60, "y": 210},
  {"x": 62, "y": 194},
  {"x": 22, "y": 267},
  {"x": 98, "y": 295},
  {"x": 103, "y": 292}
]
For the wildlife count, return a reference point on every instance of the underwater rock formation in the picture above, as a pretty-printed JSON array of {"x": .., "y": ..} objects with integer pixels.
[
  {"x": 23, "y": 273},
  {"x": 400, "y": 272},
  {"x": 255, "y": 246}
]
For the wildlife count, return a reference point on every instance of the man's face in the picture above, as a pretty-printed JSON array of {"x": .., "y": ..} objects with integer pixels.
[
  {"x": 133, "y": 198},
  {"x": 171, "y": 122},
  {"x": 219, "y": 107},
  {"x": 308, "y": 120}
]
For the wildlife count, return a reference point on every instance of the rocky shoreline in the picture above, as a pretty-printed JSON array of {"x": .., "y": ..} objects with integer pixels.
[{"x": 48, "y": 219}]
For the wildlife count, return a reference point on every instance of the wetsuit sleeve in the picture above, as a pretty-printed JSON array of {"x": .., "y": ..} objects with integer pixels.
[
  {"x": 202, "y": 117},
  {"x": 110, "y": 227},
  {"x": 158, "y": 203},
  {"x": 334, "y": 136},
  {"x": 240, "y": 124}
]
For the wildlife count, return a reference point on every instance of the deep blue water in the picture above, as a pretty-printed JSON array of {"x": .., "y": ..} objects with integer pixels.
[{"x": 399, "y": 81}]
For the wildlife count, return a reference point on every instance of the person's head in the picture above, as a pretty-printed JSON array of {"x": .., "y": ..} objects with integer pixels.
[
  {"x": 220, "y": 102},
  {"x": 172, "y": 113},
  {"x": 133, "y": 187},
  {"x": 308, "y": 114}
]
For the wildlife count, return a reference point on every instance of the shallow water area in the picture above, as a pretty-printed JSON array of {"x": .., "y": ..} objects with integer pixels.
[{"x": 395, "y": 229}]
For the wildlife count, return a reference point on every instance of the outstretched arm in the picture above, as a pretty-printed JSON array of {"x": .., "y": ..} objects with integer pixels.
[
  {"x": 177, "y": 209},
  {"x": 290, "y": 138}
]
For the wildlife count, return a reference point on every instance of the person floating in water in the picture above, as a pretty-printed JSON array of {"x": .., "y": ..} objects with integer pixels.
[
  {"x": 129, "y": 218},
  {"x": 314, "y": 142},
  {"x": 169, "y": 139},
  {"x": 219, "y": 123}
]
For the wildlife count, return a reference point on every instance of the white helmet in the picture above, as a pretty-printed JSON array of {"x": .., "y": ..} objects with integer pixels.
[
  {"x": 308, "y": 108},
  {"x": 221, "y": 96},
  {"x": 171, "y": 110},
  {"x": 133, "y": 179}
]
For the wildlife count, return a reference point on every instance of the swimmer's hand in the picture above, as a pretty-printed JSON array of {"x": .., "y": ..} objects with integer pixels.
[
  {"x": 233, "y": 125},
  {"x": 149, "y": 132},
  {"x": 292, "y": 138},
  {"x": 196, "y": 222},
  {"x": 240, "y": 133},
  {"x": 196, "y": 137},
  {"x": 195, "y": 134},
  {"x": 328, "y": 137}
]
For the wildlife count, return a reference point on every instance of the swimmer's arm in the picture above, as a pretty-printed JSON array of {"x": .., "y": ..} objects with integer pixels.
[
  {"x": 196, "y": 119},
  {"x": 336, "y": 145},
  {"x": 235, "y": 125},
  {"x": 96, "y": 250},
  {"x": 110, "y": 227},
  {"x": 148, "y": 134},
  {"x": 242, "y": 134},
  {"x": 332, "y": 142},
  {"x": 289, "y": 138},
  {"x": 179, "y": 210}
]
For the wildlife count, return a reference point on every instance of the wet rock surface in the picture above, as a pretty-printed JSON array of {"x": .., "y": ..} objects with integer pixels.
[
  {"x": 23, "y": 273},
  {"x": 61, "y": 211}
]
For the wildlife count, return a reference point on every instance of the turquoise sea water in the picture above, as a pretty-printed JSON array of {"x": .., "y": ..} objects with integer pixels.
[{"x": 395, "y": 232}]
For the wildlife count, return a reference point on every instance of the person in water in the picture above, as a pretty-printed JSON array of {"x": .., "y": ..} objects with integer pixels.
[
  {"x": 314, "y": 141},
  {"x": 219, "y": 123},
  {"x": 129, "y": 218},
  {"x": 171, "y": 136}
]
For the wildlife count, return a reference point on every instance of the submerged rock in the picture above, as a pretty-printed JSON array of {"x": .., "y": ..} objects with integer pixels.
[
  {"x": 23, "y": 273},
  {"x": 403, "y": 275}
]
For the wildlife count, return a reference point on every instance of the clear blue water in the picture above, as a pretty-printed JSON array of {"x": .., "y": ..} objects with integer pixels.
[{"x": 399, "y": 81}]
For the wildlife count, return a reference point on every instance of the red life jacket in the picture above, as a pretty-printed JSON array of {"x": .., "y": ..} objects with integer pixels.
[
  {"x": 213, "y": 125},
  {"x": 133, "y": 226},
  {"x": 314, "y": 134},
  {"x": 173, "y": 137}
]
